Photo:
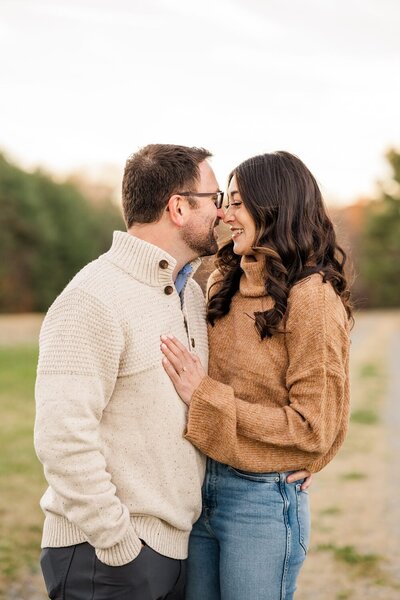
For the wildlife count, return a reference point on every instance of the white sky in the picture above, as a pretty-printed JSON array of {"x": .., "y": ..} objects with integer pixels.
[{"x": 87, "y": 82}]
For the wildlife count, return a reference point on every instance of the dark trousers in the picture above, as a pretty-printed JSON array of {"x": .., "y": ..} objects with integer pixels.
[{"x": 75, "y": 573}]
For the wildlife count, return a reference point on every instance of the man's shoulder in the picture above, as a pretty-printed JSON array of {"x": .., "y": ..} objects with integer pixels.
[
  {"x": 99, "y": 282},
  {"x": 98, "y": 278}
]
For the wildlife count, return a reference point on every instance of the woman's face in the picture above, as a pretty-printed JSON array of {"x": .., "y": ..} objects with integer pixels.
[{"x": 241, "y": 223}]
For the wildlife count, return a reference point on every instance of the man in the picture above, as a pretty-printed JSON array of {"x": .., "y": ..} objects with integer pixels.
[{"x": 124, "y": 484}]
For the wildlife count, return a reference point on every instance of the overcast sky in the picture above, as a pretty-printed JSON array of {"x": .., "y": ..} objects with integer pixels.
[{"x": 87, "y": 82}]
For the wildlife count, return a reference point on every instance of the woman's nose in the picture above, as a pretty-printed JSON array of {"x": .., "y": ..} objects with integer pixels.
[{"x": 227, "y": 216}]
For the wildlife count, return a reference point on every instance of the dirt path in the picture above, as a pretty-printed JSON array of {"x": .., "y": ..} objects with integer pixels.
[
  {"x": 20, "y": 329},
  {"x": 355, "y": 546},
  {"x": 392, "y": 422}
]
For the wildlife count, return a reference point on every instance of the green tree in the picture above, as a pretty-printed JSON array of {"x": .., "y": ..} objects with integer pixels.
[
  {"x": 48, "y": 232},
  {"x": 380, "y": 242}
]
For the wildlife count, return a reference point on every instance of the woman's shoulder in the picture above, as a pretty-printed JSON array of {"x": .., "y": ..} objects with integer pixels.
[
  {"x": 312, "y": 295},
  {"x": 308, "y": 285}
]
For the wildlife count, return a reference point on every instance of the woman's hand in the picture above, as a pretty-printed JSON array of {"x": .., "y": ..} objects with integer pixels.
[
  {"x": 306, "y": 475},
  {"x": 183, "y": 367}
]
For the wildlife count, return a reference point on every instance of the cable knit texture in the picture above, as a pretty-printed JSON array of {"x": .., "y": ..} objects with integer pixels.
[
  {"x": 109, "y": 425},
  {"x": 282, "y": 403}
]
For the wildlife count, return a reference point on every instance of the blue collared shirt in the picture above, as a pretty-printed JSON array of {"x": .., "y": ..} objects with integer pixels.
[{"x": 182, "y": 277}]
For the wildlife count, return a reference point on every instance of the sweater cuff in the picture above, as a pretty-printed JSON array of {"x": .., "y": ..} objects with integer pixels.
[
  {"x": 122, "y": 553},
  {"x": 211, "y": 418},
  {"x": 211, "y": 393}
]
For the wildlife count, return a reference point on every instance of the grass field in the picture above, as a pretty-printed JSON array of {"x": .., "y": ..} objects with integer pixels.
[
  {"x": 354, "y": 553},
  {"x": 21, "y": 479}
]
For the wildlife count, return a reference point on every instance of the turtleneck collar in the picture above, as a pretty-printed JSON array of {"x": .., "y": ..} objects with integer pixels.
[
  {"x": 252, "y": 282},
  {"x": 144, "y": 261}
]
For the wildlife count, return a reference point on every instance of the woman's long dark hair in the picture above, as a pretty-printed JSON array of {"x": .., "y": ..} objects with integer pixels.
[{"x": 293, "y": 231}]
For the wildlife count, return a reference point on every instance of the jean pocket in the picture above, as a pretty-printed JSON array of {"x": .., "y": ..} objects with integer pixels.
[
  {"x": 303, "y": 516},
  {"x": 55, "y": 563},
  {"x": 257, "y": 477}
]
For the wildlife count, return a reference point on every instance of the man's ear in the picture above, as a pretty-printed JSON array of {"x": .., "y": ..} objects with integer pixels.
[{"x": 177, "y": 208}]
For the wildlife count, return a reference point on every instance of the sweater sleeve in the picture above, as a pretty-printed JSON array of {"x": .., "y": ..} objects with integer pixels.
[
  {"x": 80, "y": 349},
  {"x": 317, "y": 346}
]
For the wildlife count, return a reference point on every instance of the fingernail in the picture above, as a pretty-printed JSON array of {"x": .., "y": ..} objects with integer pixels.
[{"x": 164, "y": 337}]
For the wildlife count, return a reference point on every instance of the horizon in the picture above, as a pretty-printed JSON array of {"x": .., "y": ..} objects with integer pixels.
[{"x": 110, "y": 176}]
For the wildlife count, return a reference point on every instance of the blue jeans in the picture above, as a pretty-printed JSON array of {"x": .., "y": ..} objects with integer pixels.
[{"x": 251, "y": 538}]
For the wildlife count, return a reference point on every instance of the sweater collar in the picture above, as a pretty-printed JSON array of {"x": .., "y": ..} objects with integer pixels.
[
  {"x": 252, "y": 282},
  {"x": 142, "y": 260}
]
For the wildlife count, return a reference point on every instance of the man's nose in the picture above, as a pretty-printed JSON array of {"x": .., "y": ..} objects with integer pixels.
[{"x": 220, "y": 214}]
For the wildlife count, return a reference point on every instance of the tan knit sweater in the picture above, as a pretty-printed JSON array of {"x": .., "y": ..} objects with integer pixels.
[
  {"x": 281, "y": 403},
  {"x": 109, "y": 425}
]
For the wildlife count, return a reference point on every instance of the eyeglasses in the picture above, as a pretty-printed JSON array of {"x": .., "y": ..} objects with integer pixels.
[{"x": 217, "y": 197}]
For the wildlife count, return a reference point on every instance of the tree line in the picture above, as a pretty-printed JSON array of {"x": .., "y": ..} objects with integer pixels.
[
  {"x": 380, "y": 242},
  {"x": 369, "y": 230},
  {"x": 49, "y": 230}
]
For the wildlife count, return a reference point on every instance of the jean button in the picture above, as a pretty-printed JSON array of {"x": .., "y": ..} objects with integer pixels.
[{"x": 276, "y": 479}]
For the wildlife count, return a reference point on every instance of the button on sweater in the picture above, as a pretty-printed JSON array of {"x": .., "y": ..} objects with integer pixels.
[
  {"x": 109, "y": 425},
  {"x": 281, "y": 403}
]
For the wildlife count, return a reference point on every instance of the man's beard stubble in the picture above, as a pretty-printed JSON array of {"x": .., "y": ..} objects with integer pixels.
[{"x": 202, "y": 244}]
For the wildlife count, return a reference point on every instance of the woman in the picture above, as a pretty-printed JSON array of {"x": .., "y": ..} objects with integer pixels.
[{"x": 276, "y": 399}]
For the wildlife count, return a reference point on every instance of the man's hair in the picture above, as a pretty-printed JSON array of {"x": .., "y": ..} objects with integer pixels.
[{"x": 153, "y": 174}]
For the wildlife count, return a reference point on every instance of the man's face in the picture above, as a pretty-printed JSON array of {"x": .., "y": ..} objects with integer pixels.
[{"x": 200, "y": 233}]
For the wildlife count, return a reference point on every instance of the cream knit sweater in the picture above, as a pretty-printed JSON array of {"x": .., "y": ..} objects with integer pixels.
[
  {"x": 109, "y": 426},
  {"x": 282, "y": 403}
]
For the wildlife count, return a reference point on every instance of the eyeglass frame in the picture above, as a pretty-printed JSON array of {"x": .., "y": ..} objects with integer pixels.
[{"x": 218, "y": 202}]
